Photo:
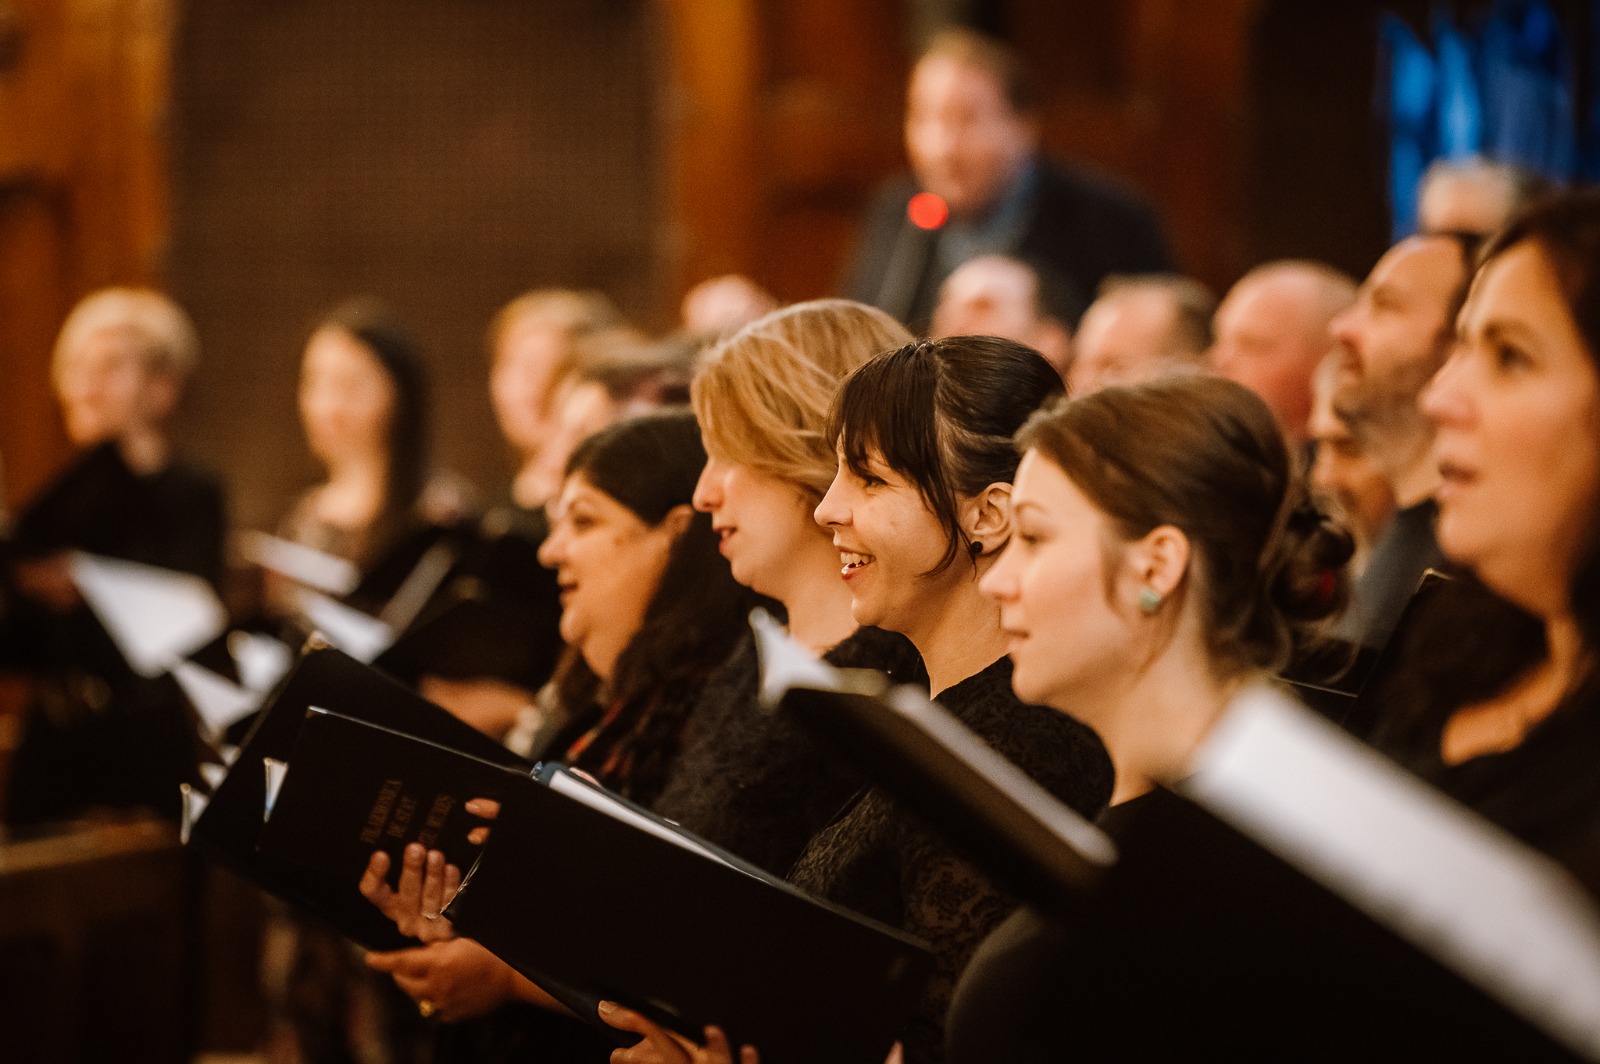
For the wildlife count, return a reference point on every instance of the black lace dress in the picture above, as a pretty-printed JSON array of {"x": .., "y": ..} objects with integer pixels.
[
  {"x": 883, "y": 863},
  {"x": 755, "y": 782}
]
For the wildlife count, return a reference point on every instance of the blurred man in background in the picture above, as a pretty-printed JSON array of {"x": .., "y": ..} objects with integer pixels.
[
  {"x": 1272, "y": 333},
  {"x": 1141, "y": 328},
  {"x": 979, "y": 186},
  {"x": 995, "y": 295}
]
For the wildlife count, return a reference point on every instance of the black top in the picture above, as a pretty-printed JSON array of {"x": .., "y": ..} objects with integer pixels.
[
  {"x": 1404, "y": 551},
  {"x": 1198, "y": 943},
  {"x": 882, "y": 863},
  {"x": 1468, "y": 646},
  {"x": 97, "y": 734},
  {"x": 1083, "y": 225},
  {"x": 1003, "y": 1010},
  {"x": 755, "y": 782}
]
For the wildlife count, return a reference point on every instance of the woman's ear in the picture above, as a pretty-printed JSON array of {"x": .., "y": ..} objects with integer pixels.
[
  {"x": 1160, "y": 559},
  {"x": 988, "y": 517},
  {"x": 677, "y": 520}
]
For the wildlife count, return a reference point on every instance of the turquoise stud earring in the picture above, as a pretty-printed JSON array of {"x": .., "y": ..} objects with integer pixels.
[{"x": 1149, "y": 601}]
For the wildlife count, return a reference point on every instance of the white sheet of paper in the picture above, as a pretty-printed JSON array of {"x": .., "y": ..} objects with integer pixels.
[
  {"x": 155, "y": 616},
  {"x": 219, "y": 702},
  {"x": 317, "y": 569},
  {"x": 194, "y": 803},
  {"x": 276, "y": 772},
  {"x": 418, "y": 588},
  {"x": 212, "y": 774},
  {"x": 1498, "y": 912},
  {"x": 360, "y": 635},
  {"x": 262, "y": 660},
  {"x": 785, "y": 664}
]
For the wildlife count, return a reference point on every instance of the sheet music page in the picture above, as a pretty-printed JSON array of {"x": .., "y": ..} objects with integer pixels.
[
  {"x": 277, "y": 771},
  {"x": 193, "y": 804},
  {"x": 1498, "y": 912},
  {"x": 964, "y": 743},
  {"x": 262, "y": 660},
  {"x": 785, "y": 664},
  {"x": 155, "y": 616},
  {"x": 418, "y": 587},
  {"x": 316, "y": 569},
  {"x": 361, "y": 636},
  {"x": 218, "y": 702}
]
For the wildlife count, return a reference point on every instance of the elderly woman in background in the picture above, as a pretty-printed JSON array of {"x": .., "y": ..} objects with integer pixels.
[{"x": 96, "y": 735}]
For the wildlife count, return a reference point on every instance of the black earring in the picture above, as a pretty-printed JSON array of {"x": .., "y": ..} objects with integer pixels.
[{"x": 976, "y": 548}]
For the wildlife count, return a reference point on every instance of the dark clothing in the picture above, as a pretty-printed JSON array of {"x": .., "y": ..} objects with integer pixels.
[
  {"x": 1467, "y": 647},
  {"x": 883, "y": 863},
  {"x": 1200, "y": 944},
  {"x": 1406, "y": 549},
  {"x": 753, "y": 781},
  {"x": 1003, "y": 1010},
  {"x": 750, "y": 781},
  {"x": 1082, "y": 225},
  {"x": 97, "y": 734}
]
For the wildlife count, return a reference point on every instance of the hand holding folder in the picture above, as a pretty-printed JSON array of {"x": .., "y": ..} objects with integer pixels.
[
  {"x": 660, "y": 1046},
  {"x": 460, "y": 979},
  {"x": 427, "y": 883}
]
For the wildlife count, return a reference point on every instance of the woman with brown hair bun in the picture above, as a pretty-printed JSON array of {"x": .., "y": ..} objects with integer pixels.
[
  {"x": 1164, "y": 556},
  {"x": 1165, "y": 553}
]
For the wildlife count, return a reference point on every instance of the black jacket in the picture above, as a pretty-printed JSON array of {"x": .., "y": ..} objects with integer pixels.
[{"x": 1084, "y": 226}]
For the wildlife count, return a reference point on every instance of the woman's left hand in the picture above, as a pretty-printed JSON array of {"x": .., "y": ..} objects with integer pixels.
[
  {"x": 661, "y": 1046},
  {"x": 455, "y": 980},
  {"x": 427, "y": 884}
]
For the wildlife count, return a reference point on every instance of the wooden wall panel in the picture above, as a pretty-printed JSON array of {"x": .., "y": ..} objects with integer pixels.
[
  {"x": 769, "y": 182},
  {"x": 772, "y": 183}
]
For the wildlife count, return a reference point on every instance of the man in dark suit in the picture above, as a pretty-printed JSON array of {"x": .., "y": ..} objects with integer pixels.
[{"x": 979, "y": 186}]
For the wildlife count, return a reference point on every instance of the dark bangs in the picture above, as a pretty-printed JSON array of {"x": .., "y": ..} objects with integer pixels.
[
  {"x": 941, "y": 414},
  {"x": 889, "y": 407}
]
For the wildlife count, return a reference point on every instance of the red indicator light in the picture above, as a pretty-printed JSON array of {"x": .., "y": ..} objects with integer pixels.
[{"x": 927, "y": 211}]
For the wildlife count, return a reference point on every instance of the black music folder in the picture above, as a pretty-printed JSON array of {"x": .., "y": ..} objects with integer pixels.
[
  {"x": 350, "y": 787},
  {"x": 228, "y": 825},
  {"x": 595, "y": 898},
  {"x": 1298, "y": 896},
  {"x": 984, "y": 805}
]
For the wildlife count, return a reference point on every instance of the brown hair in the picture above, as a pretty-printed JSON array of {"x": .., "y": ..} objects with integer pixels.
[
  {"x": 762, "y": 396},
  {"x": 971, "y": 48},
  {"x": 1204, "y": 455}
]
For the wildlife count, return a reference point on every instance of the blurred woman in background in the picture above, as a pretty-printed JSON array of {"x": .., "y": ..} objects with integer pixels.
[{"x": 96, "y": 735}]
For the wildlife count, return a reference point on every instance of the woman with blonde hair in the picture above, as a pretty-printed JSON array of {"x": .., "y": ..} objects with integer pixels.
[{"x": 747, "y": 780}]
